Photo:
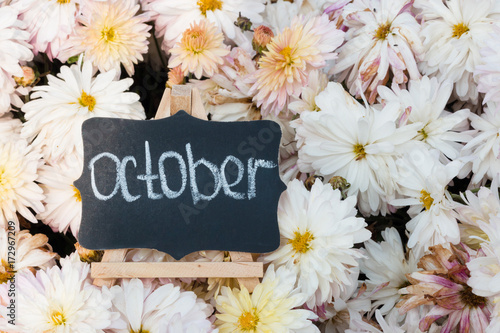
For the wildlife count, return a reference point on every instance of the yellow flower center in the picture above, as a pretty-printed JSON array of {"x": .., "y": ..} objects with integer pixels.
[
  {"x": 6, "y": 272},
  {"x": 359, "y": 151},
  {"x": 382, "y": 31},
  {"x": 423, "y": 133},
  {"x": 139, "y": 331},
  {"x": 287, "y": 53},
  {"x": 62, "y": 2},
  {"x": 87, "y": 101},
  {"x": 248, "y": 321},
  {"x": 108, "y": 34},
  {"x": 194, "y": 39},
  {"x": 302, "y": 242},
  {"x": 77, "y": 194},
  {"x": 459, "y": 29},
  {"x": 206, "y": 5},
  {"x": 58, "y": 318},
  {"x": 426, "y": 199}
]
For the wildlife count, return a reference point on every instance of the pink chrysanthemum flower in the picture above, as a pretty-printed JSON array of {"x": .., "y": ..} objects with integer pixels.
[
  {"x": 110, "y": 33},
  {"x": 443, "y": 284},
  {"x": 200, "y": 50},
  {"x": 284, "y": 69},
  {"x": 382, "y": 36}
]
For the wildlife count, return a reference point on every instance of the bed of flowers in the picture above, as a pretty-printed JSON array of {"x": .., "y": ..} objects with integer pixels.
[{"x": 390, "y": 113}]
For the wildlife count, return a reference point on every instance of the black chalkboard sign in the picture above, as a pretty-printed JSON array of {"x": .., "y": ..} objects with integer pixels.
[{"x": 180, "y": 185}]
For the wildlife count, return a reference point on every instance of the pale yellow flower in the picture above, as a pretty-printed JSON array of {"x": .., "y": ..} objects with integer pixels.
[
  {"x": 200, "y": 50},
  {"x": 110, "y": 33},
  {"x": 268, "y": 309}
]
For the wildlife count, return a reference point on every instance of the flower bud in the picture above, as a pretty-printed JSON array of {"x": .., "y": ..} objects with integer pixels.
[
  {"x": 28, "y": 77},
  {"x": 262, "y": 35}
]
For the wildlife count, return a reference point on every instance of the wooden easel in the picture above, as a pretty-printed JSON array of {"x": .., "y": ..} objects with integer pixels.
[{"x": 242, "y": 266}]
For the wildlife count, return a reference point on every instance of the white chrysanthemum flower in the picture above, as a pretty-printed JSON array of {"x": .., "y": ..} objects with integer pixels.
[
  {"x": 173, "y": 19},
  {"x": 385, "y": 267},
  {"x": 318, "y": 231},
  {"x": 485, "y": 268},
  {"x": 477, "y": 208},
  {"x": 56, "y": 112},
  {"x": 383, "y": 35},
  {"x": 483, "y": 151},
  {"x": 63, "y": 201},
  {"x": 154, "y": 308},
  {"x": 48, "y": 22},
  {"x": 14, "y": 49},
  {"x": 32, "y": 251},
  {"x": 110, "y": 33},
  {"x": 19, "y": 165},
  {"x": 278, "y": 15},
  {"x": 454, "y": 31},
  {"x": 487, "y": 73},
  {"x": 10, "y": 128},
  {"x": 424, "y": 102},
  {"x": 346, "y": 308},
  {"x": 307, "y": 102},
  {"x": 61, "y": 300},
  {"x": 270, "y": 308},
  {"x": 355, "y": 142},
  {"x": 423, "y": 181}
]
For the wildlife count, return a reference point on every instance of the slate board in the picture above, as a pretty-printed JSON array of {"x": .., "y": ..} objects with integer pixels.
[{"x": 119, "y": 213}]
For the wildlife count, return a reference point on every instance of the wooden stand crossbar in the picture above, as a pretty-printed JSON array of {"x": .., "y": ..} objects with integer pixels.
[{"x": 242, "y": 266}]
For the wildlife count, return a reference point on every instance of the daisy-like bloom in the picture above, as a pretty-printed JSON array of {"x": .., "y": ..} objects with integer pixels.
[
  {"x": 56, "y": 112},
  {"x": 382, "y": 35},
  {"x": 200, "y": 50},
  {"x": 424, "y": 103},
  {"x": 454, "y": 31},
  {"x": 307, "y": 102},
  {"x": 10, "y": 128},
  {"x": 355, "y": 142},
  {"x": 284, "y": 69},
  {"x": 487, "y": 73},
  {"x": 150, "y": 307},
  {"x": 483, "y": 151},
  {"x": 19, "y": 165},
  {"x": 478, "y": 209},
  {"x": 318, "y": 231},
  {"x": 279, "y": 14},
  {"x": 33, "y": 251},
  {"x": 48, "y": 22},
  {"x": 63, "y": 201},
  {"x": 60, "y": 300},
  {"x": 110, "y": 33},
  {"x": 385, "y": 267},
  {"x": 443, "y": 284},
  {"x": 345, "y": 308},
  {"x": 270, "y": 308},
  {"x": 172, "y": 19},
  {"x": 423, "y": 181},
  {"x": 15, "y": 49}
]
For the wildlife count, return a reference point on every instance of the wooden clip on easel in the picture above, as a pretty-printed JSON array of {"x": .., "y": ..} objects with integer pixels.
[{"x": 242, "y": 266}]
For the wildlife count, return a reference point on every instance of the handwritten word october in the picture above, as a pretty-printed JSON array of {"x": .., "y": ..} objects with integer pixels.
[{"x": 219, "y": 177}]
